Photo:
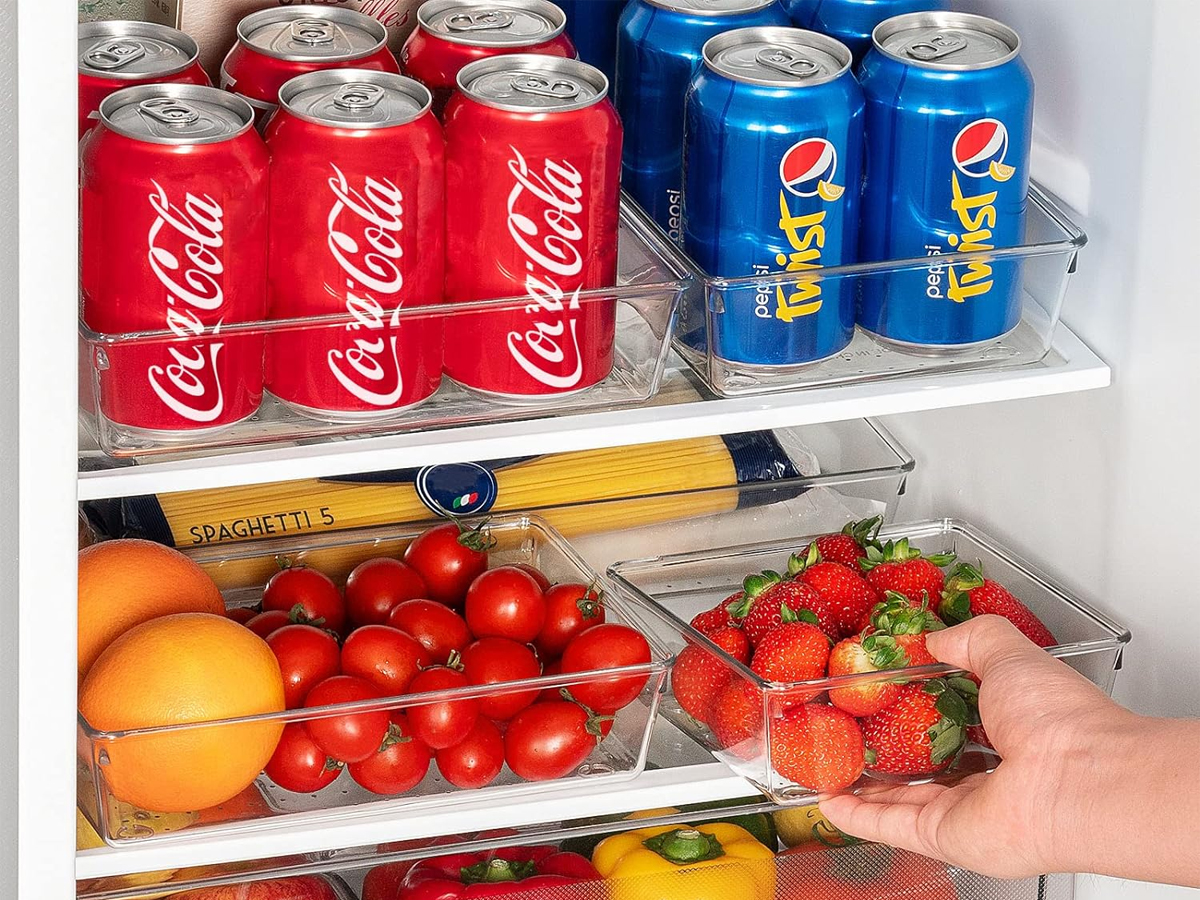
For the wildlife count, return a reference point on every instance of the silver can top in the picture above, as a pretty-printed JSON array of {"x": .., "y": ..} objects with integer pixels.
[
  {"x": 311, "y": 33},
  {"x": 777, "y": 57},
  {"x": 133, "y": 50},
  {"x": 712, "y": 7},
  {"x": 952, "y": 41},
  {"x": 355, "y": 98},
  {"x": 533, "y": 82},
  {"x": 176, "y": 114},
  {"x": 492, "y": 23}
]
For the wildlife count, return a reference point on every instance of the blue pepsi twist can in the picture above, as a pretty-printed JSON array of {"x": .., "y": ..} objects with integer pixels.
[
  {"x": 949, "y": 124},
  {"x": 773, "y": 165},
  {"x": 853, "y": 21},
  {"x": 658, "y": 50},
  {"x": 592, "y": 26}
]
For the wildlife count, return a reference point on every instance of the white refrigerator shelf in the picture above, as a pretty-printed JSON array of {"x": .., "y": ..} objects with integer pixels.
[{"x": 678, "y": 412}]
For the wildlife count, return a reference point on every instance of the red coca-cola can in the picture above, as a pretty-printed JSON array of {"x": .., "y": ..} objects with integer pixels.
[
  {"x": 533, "y": 152},
  {"x": 115, "y": 55},
  {"x": 174, "y": 239},
  {"x": 451, "y": 34},
  {"x": 275, "y": 45},
  {"x": 357, "y": 228}
]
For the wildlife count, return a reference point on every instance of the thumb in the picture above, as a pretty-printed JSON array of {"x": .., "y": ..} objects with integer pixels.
[{"x": 982, "y": 644}]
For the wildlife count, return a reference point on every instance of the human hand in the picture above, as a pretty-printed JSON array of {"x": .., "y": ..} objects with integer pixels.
[{"x": 1058, "y": 736}]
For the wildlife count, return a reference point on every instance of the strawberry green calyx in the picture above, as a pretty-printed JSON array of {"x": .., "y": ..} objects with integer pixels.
[
  {"x": 787, "y": 615},
  {"x": 900, "y": 551},
  {"x": 959, "y": 710},
  {"x": 883, "y": 651},
  {"x": 956, "y": 598},
  {"x": 798, "y": 564},
  {"x": 865, "y": 532},
  {"x": 896, "y": 616},
  {"x": 753, "y": 586}
]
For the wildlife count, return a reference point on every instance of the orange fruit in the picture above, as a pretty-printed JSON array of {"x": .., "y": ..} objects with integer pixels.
[
  {"x": 189, "y": 667},
  {"x": 127, "y": 582}
]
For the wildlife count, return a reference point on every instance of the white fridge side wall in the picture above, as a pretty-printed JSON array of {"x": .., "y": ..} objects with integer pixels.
[
  {"x": 38, "y": 616},
  {"x": 1102, "y": 487}
]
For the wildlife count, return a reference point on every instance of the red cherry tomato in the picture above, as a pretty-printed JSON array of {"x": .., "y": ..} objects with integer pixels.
[
  {"x": 549, "y": 740},
  {"x": 384, "y": 656},
  {"x": 571, "y": 609},
  {"x": 554, "y": 667},
  {"x": 351, "y": 737},
  {"x": 266, "y": 623},
  {"x": 446, "y": 722},
  {"x": 241, "y": 614},
  {"x": 448, "y": 558},
  {"x": 306, "y": 656},
  {"x": 505, "y": 602},
  {"x": 535, "y": 573},
  {"x": 376, "y": 586},
  {"x": 476, "y": 760},
  {"x": 399, "y": 765},
  {"x": 318, "y": 598},
  {"x": 298, "y": 764},
  {"x": 607, "y": 646},
  {"x": 439, "y": 628},
  {"x": 492, "y": 660}
]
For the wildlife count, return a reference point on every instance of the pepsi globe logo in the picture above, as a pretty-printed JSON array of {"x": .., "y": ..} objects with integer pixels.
[
  {"x": 457, "y": 489},
  {"x": 980, "y": 149},
  {"x": 808, "y": 169}
]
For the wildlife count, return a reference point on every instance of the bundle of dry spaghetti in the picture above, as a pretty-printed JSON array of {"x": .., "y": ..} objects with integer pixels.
[{"x": 579, "y": 492}]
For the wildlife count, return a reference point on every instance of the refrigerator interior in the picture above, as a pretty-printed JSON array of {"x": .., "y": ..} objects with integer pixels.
[
  {"x": 1088, "y": 480},
  {"x": 1081, "y": 482}
]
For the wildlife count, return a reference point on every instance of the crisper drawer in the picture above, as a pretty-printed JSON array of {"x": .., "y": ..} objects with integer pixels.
[{"x": 767, "y": 854}]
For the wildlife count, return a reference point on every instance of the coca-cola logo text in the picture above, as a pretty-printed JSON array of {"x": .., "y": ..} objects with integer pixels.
[
  {"x": 386, "y": 11},
  {"x": 370, "y": 369},
  {"x": 190, "y": 269},
  {"x": 549, "y": 350}
]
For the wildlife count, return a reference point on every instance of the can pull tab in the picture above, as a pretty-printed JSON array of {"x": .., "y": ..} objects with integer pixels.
[
  {"x": 787, "y": 61},
  {"x": 312, "y": 32},
  {"x": 111, "y": 55},
  {"x": 937, "y": 46},
  {"x": 357, "y": 97},
  {"x": 169, "y": 111},
  {"x": 559, "y": 88},
  {"x": 486, "y": 20}
]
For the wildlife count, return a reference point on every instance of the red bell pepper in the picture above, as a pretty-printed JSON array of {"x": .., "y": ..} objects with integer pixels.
[{"x": 512, "y": 871}]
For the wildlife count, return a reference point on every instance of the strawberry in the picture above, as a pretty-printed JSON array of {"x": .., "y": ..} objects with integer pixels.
[
  {"x": 907, "y": 623},
  {"x": 924, "y": 731},
  {"x": 699, "y": 674},
  {"x": 770, "y": 601},
  {"x": 845, "y": 590},
  {"x": 796, "y": 651},
  {"x": 860, "y": 654},
  {"x": 818, "y": 747},
  {"x": 898, "y": 567},
  {"x": 717, "y": 617},
  {"x": 736, "y": 718},
  {"x": 969, "y": 594},
  {"x": 849, "y": 545}
]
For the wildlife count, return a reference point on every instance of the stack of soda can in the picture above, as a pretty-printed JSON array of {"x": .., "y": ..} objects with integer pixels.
[
  {"x": 884, "y": 130},
  {"x": 286, "y": 234},
  {"x": 307, "y": 230}
]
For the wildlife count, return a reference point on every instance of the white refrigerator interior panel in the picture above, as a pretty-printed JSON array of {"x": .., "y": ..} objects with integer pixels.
[{"x": 1102, "y": 487}]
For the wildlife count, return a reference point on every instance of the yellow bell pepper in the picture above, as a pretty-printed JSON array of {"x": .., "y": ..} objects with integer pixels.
[{"x": 679, "y": 862}]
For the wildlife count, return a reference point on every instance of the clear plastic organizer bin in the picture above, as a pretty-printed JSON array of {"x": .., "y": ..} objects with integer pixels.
[
  {"x": 651, "y": 278},
  {"x": 678, "y": 587},
  {"x": 1042, "y": 266},
  {"x": 820, "y": 865},
  {"x": 242, "y": 570}
]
